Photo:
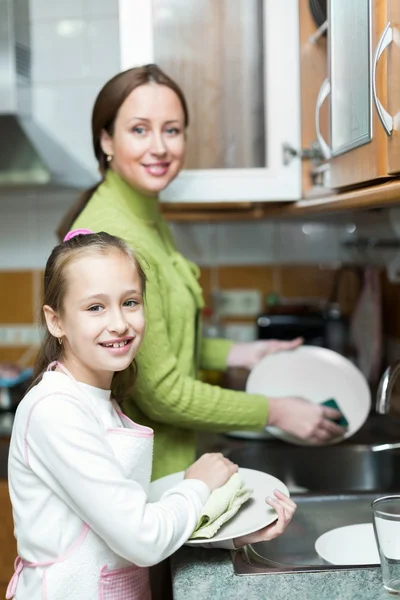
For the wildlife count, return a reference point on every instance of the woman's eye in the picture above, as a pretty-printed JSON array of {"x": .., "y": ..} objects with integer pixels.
[
  {"x": 139, "y": 130},
  {"x": 173, "y": 131},
  {"x": 95, "y": 308}
]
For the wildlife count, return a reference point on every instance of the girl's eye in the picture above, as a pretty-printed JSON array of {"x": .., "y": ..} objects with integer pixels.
[
  {"x": 95, "y": 308},
  {"x": 131, "y": 303}
]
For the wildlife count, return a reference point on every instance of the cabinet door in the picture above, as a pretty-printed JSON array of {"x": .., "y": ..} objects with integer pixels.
[
  {"x": 238, "y": 63},
  {"x": 368, "y": 162},
  {"x": 8, "y": 546},
  {"x": 393, "y": 87}
]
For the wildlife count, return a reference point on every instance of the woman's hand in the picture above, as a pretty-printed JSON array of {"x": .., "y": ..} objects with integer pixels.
[
  {"x": 247, "y": 354},
  {"x": 285, "y": 507},
  {"x": 214, "y": 469},
  {"x": 304, "y": 419}
]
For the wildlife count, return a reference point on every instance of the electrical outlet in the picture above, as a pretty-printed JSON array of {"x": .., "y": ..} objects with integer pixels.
[
  {"x": 238, "y": 303},
  {"x": 240, "y": 332}
]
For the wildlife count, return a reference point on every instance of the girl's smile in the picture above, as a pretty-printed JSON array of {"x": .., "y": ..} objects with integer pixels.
[{"x": 118, "y": 347}]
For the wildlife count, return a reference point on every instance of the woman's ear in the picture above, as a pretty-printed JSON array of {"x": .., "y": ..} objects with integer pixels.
[
  {"x": 53, "y": 322},
  {"x": 106, "y": 143}
]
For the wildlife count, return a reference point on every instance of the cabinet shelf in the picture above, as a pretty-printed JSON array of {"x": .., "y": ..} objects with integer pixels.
[{"x": 378, "y": 196}]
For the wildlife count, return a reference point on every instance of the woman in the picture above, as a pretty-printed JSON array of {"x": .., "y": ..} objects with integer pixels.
[{"x": 139, "y": 127}]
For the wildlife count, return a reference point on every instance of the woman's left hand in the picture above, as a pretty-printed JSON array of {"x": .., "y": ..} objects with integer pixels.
[
  {"x": 248, "y": 354},
  {"x": 285, "y": 507}
]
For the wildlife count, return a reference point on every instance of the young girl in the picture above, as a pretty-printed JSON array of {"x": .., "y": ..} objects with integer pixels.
[{"x": 79, "y": 470}]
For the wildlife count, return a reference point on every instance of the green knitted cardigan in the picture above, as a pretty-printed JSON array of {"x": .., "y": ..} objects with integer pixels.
[{"x": 167, "y": 396}]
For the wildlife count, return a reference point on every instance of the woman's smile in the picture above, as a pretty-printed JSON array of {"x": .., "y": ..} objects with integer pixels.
[{"x": 158, "y": 169}]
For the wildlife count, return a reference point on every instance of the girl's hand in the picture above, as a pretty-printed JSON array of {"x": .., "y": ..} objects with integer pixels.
[
  {"x": 248, "y": 354},
  {"x": 285, "y": 507},
  {"x": 214, "y": 469}
]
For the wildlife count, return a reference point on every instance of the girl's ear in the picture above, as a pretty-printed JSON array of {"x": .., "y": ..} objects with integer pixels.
[
  {"x": 53, "y": 322},
  {"x": 106, "y": 143}
]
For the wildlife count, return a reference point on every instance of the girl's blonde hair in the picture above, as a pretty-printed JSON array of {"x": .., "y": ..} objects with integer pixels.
[{"x": 55, "y": 287}]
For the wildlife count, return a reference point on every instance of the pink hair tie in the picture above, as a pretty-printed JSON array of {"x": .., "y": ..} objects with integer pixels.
[{"x": 75, "y": 232}]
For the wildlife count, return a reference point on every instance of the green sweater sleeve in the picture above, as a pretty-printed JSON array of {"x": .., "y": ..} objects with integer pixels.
[
  {"x": 214, "y": 353},
  {"x": 167, "y": 396}
]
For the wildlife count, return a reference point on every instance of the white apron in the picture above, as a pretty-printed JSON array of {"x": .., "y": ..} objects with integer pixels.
[{"x": 90, "y": 570}]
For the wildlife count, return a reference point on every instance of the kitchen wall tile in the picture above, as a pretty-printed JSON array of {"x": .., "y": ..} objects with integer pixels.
[
  {"x": 307, "y": 243},
  {"x": 69, "y": 119},
  {"x": 25, "y": 243},
  {"x": 44, "y": 10},
  {"x": 227, "y": 244},
  {"x": 103, "y": 48},
  {"x": 101, "y": 8},
  {"x": 257, "y": 243},
  {"x": 59, "y": 50}
]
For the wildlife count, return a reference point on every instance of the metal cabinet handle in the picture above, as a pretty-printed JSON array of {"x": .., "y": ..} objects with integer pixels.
[
  {"x": 323, "y": 93},
  {"x": 384, "y": 41}
]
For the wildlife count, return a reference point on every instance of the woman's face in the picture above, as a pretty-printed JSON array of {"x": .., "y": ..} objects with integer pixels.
[{"x": 148, "y": 142}]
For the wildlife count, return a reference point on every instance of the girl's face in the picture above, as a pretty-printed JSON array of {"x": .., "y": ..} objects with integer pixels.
[
  {"x": 102, "y": 324},
  {"x": 148, "y": 142}
]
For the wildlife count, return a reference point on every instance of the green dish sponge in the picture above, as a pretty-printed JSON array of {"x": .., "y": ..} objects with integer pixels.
[{"x": 331, "y": 403}]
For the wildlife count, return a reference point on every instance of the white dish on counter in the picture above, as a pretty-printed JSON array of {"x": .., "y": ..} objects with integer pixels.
[
  {"x": 316, "y": 374},
  {"x": 252, "y": 516},
  {"x": 349, "y": 545}
]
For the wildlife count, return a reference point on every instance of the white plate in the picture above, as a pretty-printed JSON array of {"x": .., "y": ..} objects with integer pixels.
[
  {"x": 316, "y": 374},
  {"x": 252, "y": 516},
  {"x": 350, "y": 545}
]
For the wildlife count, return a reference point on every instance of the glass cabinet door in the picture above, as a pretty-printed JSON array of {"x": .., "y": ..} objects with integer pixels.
[{"x": 237, "y": 62}]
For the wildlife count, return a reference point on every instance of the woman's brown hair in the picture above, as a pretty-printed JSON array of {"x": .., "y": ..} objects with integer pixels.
[
  {"x": 105, "y": 110},
  {"x": 55, "y": 286}
]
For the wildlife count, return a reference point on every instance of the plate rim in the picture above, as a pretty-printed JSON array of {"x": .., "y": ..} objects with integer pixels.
[
  {"x": 313, "y": 350},
  {"x": 318, "y": 542},
  {"x": 223, "y": 538}
]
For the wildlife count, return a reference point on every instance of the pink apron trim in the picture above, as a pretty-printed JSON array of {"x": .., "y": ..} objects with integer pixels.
[
  {"x": 19, "y": 563},
  {"x": 142, "y": 429},
  {"x": 12, "y": 586},
  {"x": 56, "y": 363}
]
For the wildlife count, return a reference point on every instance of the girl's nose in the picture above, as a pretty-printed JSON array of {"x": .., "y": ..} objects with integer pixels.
[{"x": 118, "y": 323}]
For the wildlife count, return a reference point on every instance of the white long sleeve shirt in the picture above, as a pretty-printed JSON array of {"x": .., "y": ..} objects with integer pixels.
[{"x": 62, "y": 471}]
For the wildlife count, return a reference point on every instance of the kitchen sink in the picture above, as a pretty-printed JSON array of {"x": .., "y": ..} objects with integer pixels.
[
  {"x": 294, "y": 551},
  {"x": 341, "y": 468}
]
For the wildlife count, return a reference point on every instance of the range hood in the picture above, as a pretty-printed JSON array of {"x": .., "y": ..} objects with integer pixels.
[{"x": 29, "y": 157}]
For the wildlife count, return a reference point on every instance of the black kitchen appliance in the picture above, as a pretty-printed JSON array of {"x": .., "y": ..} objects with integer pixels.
[{"x": 326, "y": 328}]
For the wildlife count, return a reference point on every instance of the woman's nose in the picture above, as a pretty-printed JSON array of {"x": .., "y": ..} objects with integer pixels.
[{"x": 158, "y": 146}]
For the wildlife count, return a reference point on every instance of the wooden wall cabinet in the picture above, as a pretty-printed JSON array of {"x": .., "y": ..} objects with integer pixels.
[
  {"x": 238, "y": 64},
  {"x": 378, "y": 159},
  {"x": 351, "y": 178}
]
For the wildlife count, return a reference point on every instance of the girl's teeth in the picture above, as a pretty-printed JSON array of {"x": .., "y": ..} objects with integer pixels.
[{"x": 117, "y": 344}]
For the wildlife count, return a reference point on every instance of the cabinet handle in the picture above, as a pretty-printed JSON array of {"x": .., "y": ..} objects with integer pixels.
[
  {"x": 384, "y": 41},
  {"x": 323, "y": 93}
]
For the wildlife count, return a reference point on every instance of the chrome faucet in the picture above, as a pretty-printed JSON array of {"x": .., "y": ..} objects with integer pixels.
[
  {"x": 385, "y": 389},
  {"x": 383, "y": 396}
]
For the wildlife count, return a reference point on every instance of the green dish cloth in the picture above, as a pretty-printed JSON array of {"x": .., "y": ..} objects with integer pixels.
[
  {"x": 331, "y": 403},
  {"x": 221, "y": 506}
]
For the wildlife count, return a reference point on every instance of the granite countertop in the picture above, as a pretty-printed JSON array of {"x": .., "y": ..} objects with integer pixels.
[
  {"x": 204, "y": 574},
  {"x": 199, "y": 573}
]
